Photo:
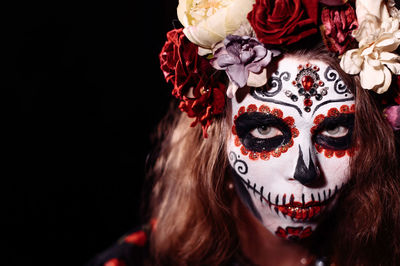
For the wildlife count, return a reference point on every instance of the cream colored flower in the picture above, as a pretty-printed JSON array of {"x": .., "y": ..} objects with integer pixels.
[
  {"x": 374, "y": 60},
  {"x": 375, "y": 8},
  {"x": 208, "y": 22}
]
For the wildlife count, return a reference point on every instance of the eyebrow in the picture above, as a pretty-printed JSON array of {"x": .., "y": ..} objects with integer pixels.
[
  {"x": 277, "y": 102},
  {"x": 331, "y": 101}
]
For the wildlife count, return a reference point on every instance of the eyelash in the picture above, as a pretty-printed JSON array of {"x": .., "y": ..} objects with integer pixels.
[
  {"x": 262, "y": 135},
  {"x": 339, "y": 128}
]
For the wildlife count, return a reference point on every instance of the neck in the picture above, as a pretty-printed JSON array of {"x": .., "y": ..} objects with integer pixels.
[{"x": 263, "y": 248}]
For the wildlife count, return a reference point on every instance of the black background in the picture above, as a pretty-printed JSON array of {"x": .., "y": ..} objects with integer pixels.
[{"x": 89, "y": 91}]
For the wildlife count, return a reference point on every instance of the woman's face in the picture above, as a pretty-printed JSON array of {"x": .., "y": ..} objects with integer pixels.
[{"x": 290, "y": 146}]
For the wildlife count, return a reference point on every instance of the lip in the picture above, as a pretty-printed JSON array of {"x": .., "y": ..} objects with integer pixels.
[
  {"x": 301, "y": 211},
  {"x": 298, "y": 211},
  {"x": 289, "y": 208}
]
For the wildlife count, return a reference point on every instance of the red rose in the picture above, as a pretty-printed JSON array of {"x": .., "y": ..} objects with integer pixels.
[
  {"x": 392, "y": 95},
  {"x": 338, "y": 23},
  {"x": 202, "y": 95},
  {"x": 283, "y": 21},
  {"x": 178, "y": 59},
  {"x": 169, "y": 55},
  {"x": 210, "y": 102}
]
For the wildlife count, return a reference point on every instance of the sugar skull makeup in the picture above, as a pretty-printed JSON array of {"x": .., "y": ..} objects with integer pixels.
[{"x": 290, "y": 146}]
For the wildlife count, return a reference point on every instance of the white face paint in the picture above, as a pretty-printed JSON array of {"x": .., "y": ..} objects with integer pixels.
[{"x": 290, "y": 146}]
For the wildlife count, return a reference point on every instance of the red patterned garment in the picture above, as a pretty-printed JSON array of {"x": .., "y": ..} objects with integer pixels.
[{"x": 130, "y": 249}]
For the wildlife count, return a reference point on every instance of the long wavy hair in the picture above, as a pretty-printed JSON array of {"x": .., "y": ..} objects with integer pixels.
[{"x": 192, "y": 203}]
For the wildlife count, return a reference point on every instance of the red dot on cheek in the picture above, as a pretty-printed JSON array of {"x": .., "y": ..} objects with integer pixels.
[
  {"x": 253, "y": 156},
  {"x": 340, "y": 154}
]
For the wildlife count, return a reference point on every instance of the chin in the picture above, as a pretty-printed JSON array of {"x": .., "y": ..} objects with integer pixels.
[{"x": 295, "y": 220}]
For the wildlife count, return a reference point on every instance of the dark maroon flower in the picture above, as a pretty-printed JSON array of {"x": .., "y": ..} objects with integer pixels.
[
  {"x": 195, "y": 82},
  {"x": 397, "y": 91},
  {"x": 392, "y": 114},
  {"x": 338, "y": 24},
  {"x": 284, "y": 22}
]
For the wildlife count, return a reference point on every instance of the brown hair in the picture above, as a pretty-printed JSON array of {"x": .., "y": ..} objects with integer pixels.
[
  {"x": 370, "y": 227},
  {"x": 192, "y": 204},
  {"x": 194, "y": 222}
]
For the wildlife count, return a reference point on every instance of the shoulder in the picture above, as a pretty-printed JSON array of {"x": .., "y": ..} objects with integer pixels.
[{"x": 131, "y": 249}]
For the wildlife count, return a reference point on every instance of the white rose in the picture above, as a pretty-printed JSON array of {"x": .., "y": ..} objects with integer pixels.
[
  {"x": 378, "y": 36},
  {"x": 367, "y": 31},
  {"x": 208, "y": 22},
  {"x": 376, "y": 8},
  {"x": 374, "y": 60}
]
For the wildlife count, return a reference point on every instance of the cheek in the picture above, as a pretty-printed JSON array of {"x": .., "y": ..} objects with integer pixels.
[{"x": 335, "y": 170}]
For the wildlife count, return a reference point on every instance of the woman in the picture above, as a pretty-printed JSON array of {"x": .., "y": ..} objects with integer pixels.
[{"x": 299, "y": 164}]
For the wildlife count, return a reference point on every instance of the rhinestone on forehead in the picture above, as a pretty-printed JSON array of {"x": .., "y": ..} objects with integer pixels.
[
  {"x": 307, "y": 88},
  {"x": 307, "y": 82}
]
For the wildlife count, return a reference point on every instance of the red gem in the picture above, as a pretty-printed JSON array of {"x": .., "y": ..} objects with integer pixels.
[
  {"x": 307, "y": 82},
  {"x": 308, "y": 102}
]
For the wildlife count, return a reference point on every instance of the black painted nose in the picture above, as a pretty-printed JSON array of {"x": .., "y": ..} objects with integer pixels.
[{"x": 305, "y": 175}]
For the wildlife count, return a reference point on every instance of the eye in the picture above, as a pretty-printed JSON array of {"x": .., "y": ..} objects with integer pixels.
[
  {"x": 262, "y": 132},
  {"x": 337, "y": 132},
  {"x": 265, "y": 132}
]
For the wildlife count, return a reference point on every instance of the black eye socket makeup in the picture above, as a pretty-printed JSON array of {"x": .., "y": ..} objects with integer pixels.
[
  {"x": 247, "y": 122},
  {"x": 331, "y": 123}
]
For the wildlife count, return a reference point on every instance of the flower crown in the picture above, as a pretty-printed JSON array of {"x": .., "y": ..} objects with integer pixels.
[{"x": 235, "y": 40}]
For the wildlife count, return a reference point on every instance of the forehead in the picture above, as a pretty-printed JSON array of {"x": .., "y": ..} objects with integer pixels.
[{"x": 304, "y": 88}]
